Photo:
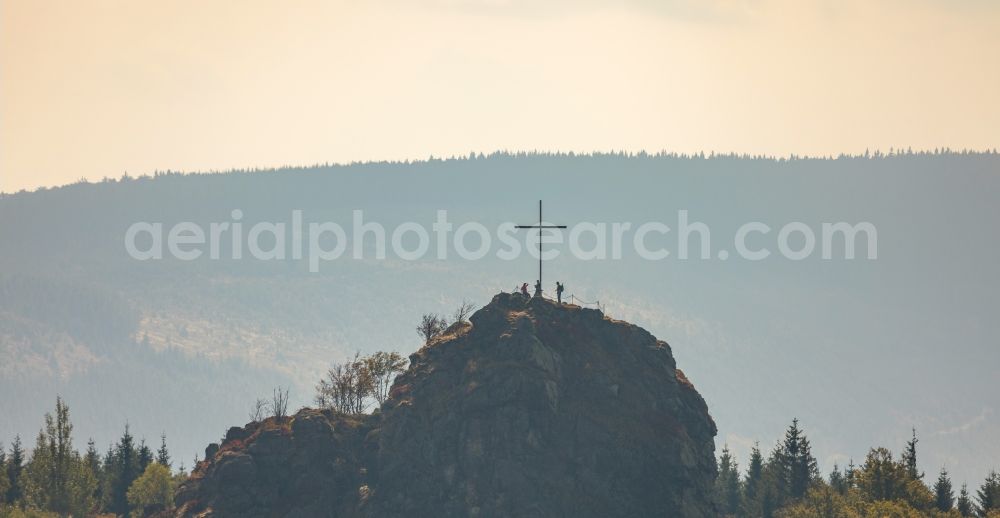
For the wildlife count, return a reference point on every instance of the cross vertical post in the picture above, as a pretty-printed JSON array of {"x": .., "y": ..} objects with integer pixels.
[{"x": 540, "y": 226}]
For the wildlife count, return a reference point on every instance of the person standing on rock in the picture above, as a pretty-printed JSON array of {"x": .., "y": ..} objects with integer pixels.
[
  {"x": 559, "y": 291},
  {"x": 538, "y": 288}
]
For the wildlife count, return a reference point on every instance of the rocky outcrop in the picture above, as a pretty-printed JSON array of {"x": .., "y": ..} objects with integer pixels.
[
  {"x": 310, "y": 464},
  {"x": 533, "y": 409}
]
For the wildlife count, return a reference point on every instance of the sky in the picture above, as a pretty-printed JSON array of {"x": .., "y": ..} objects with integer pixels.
[{"x": 100, "y": 88}]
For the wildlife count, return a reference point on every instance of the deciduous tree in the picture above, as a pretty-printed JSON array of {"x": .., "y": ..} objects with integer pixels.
[{"x": 153, "y": 489}]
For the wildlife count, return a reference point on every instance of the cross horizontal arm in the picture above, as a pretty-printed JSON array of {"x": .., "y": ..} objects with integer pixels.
[{"x": 540, "y": 226}]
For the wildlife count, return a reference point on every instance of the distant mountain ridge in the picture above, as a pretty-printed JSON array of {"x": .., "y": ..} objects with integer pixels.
[{"x": 846, "y": 346}]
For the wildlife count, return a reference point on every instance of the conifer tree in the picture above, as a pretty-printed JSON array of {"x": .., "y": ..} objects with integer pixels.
[
  {"x": 4, "y": 483},
  {"x": 55, "y": 477},
  {"x": 944, "y": 497},
  {"x": 727, "y": 484},
  {"x": 107, "y": 478},
  {"x": 752, "y": 483},
  {"x": 92, "y": 458},
  {"x": 92, "y": 462},
  {"x": 773, "y": 490},
  {"x": 38, "y": 474},
  {"x": 14, "y": 468},
  {"x": 988, "y": 495},
  {"x": 124, "y": 470},
  {"x": 144, "y": 454},
  {"x": 162, "y": 455},
  {"x": 796, "y": 467},
  {"x": 910, "y": 457},
  {"x": 805, "y": 469},
  {"x": 48, "y": 470},
  {"x": 837, "y": 480},
  {"x": 850, "y": 475},
  {"x": 964, "y": 502}
]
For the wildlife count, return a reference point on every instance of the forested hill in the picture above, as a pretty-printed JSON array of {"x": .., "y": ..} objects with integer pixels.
[{"x": 860, "y": 350}]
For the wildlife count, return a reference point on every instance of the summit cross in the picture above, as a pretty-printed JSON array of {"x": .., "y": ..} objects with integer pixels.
[{"x": 540, "y": 226}]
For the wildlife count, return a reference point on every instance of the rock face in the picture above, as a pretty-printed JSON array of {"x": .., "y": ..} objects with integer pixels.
[{"x": 532, "y": 410}]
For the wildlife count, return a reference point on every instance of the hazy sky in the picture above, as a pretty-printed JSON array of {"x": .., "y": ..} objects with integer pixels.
[{"x": 95, "y": 88}]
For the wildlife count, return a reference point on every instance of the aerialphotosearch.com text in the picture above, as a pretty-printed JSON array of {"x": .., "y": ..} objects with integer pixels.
[{"x": 325, "y": 241}]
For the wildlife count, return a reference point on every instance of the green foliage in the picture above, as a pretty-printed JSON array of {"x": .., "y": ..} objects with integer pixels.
[
  {"x": 752, "y": 483},
  {"x": 383, "y": 368},
  {"x": 799, "y": 468},
  {"x": 92, "y": 463},
  {"x": 891, "y": 509},
  {"x": 988, "y": 495},
  {"x": 144, "y": 455},
  {"x": 12, "y": 511},
  {"x": 58, "y": 481},
  {"x": 162, "y": 455},
  {"x": 910, "y": 458},
  {"x": 4, "y": 481},
  {"x": 727, "y": 484},
  {"x": 882, "y": 487},
  {"x": 430, "y": 326},
  {"x": 821, "y": 501},
  {"x": 838, "y": 482},
  {"x": 155, "y": 487},
  {"x": 350, "y": 387},
  {"x": 56, "y": 478},
  {"x": 122, "y": 468},
  {"x": 14, "y": 467},
  {"x": 964, "y": 502},
  {"x": 944, "y": 497},
  {"x": 881, "y": 477},
  {"x": 788, "y": 474}
]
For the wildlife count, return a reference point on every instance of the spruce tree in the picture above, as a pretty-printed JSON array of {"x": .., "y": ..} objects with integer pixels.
[
  {"x": 805, "y": 469},
  {"x": 38, "y": 474},
  {"x": 773, "y": 486},
  {"x": 55, "y": 477},
  {"x": 796, "y": 467},
  {"x": 727, "y": 484},
  {"x": 125, "y": 469},
  {"x": 944, "y": 497},
  {"x": 964, "y": 502},
  {"x": 92, "y": 462},
  {"x": 753, "y": 481},
  {"x": 92, "y": 458},
  {"x": 48, "y": 470},
  {"x": 850, "y": 474},
  {"x": 162, "y": 455},
  {"x": 14, "y": 468},
  {"x": 837, "y": 480},
  {"x": 145, "y": 455},
  {"x": 108, "y": 474},
  {"x": 910, "y": 457},
  {"x": 988, "y": 495},
  {"x": 4, "y": 483}
]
